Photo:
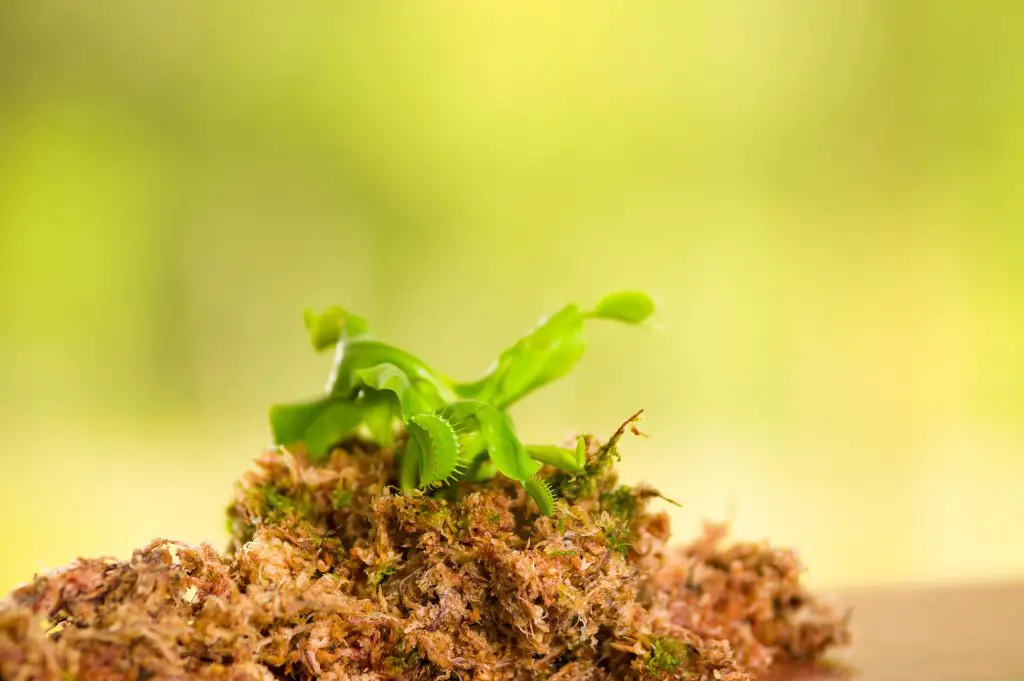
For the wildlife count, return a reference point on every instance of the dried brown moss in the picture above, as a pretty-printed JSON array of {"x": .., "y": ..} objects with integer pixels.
[{"x": 333, "y": 574}]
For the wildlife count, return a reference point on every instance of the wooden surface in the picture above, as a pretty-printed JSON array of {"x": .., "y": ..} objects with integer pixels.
[{"x": 969, "y": 633}]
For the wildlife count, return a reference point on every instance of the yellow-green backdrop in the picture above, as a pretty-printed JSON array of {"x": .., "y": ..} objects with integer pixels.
[{"x": 827, "y": 199}]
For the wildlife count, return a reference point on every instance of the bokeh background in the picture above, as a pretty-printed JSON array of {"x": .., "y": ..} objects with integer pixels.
[{"x": 826, "y": 198}]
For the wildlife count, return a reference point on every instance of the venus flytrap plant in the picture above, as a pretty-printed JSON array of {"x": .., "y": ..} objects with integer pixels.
[
  {"x": 333, "y": 521},
  {"x": 455, "y": 430}
]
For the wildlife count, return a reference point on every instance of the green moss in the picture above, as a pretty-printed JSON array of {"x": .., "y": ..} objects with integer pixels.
[
  {"x": 437, "y": 518},
  {"x": 277, "y": 505},
  {"x": 238, "y": 527},
  {"x": 667, "y": 655},
  {"x": 340, "y": 498},
  {"x": 381, "y": 571},
  {"x": 620, "y": 503},
  {"x": 577, "y": 487},
  {"x": 570, "y": 597},
  {"x": 620, "y": 539},
  {"x": 550, "y": 551},
  {"x": 402, "y": 660}
]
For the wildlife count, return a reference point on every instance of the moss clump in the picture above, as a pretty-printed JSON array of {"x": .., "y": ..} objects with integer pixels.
[
  {"x": 392, "y": 585},
  {"x": 340, "y": 498},
  {"x": 276, "y": 504},
  {"x": 668, "y": 656},
  {"x": 621, "y": 503}
]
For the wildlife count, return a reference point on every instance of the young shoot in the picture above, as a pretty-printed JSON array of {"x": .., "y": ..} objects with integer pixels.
[{"x": 455, "y": 430}]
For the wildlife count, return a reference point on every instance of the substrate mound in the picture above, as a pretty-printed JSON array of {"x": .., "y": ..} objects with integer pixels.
[{"x": 334, "y": 574}]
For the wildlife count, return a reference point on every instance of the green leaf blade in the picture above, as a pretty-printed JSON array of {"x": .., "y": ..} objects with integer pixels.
[
  {"x": 361, "y": 355},
  {"x": 384, "y": 376},
  {"x": 551, "y": 350},
  {"x": 389, "y": 378},
  {"x": 631, "y": 307},
  {"x": 410, "y": 464},
  {"x": 561, "y": 458},
  {"x": 548, "y": 353},
  {"x": 380, "y": 412},
  {"x": 327, "y": 328},
  {"x": 506, "y": 451},
  {"x": 320, "y": 424}
]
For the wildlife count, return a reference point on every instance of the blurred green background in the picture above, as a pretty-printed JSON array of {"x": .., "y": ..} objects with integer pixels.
[{"x": 826, "y": 198}]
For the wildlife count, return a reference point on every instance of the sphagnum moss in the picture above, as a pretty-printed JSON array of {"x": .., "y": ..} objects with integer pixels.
[{"x": 341, "y": 568}]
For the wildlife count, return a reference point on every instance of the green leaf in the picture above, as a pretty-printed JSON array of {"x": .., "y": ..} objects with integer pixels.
[
  {"x": 412, "y": 458},
  {"x": 320, "y": 424},
  {"x": 439, "y": 448},
  {"x": 379, "y": 411},
  {"x": 545, "y": 355},
  {"x": 506, "y": 451},
  {"x": 551, "y": 350},
  {"x": 463, "y": 413},
  {"x": 541, "y": 493},
  {"x": 480, "y": 470},
  {"x": 387, "y": 377},
  {"x": 288, "y": 422},
  {"x": 632, "y": 307},
  {"x": 358, "y": 355},
  {"x": 384, "y": 376},
  {"x": 337, "y": 422},
  {"x": 328, "y": 327},
  {"x": 470, "y": 439},
  {"x": 559, "y": 457}
]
